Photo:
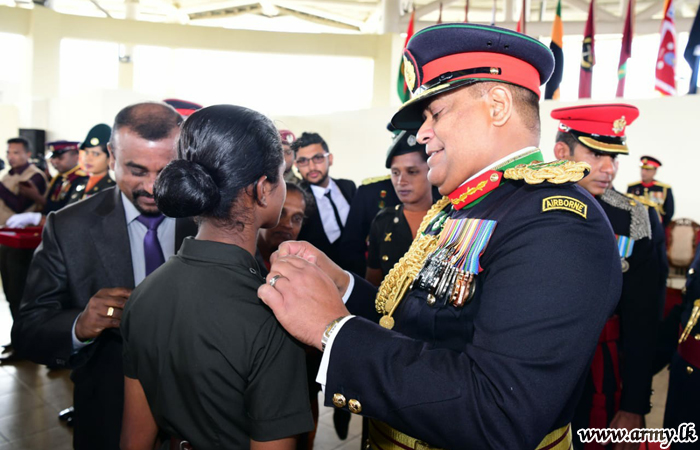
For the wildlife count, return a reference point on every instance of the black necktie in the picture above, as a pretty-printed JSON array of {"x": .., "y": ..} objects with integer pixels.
[{"x": 335, "y": 210}]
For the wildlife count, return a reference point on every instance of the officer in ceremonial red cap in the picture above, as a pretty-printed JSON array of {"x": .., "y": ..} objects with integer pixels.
[
  {"x": 617, "y": 393},
  {"x": 488, "y": 324},
  {"x": 659, "y": 194}
]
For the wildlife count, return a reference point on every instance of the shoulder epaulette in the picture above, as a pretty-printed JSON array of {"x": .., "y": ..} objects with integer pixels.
[
  {"x": 556, "y": 172},
  {"x": 640, "y": 227},
  {"x": 372, "y": 180},
  {"x": 663, "y": 185}
]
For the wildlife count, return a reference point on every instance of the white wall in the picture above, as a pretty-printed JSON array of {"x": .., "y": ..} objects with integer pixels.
[{"x": 666, "y": 129}]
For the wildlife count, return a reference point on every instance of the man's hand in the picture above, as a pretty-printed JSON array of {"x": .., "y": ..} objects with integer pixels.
[
  {"x": 629, "y": 421},
  {"x": 305, "y": 300},
  {"x": 306, "y": 251},
  {"x": 96, "y": 316},
  {"x": 29, "y": 190}
]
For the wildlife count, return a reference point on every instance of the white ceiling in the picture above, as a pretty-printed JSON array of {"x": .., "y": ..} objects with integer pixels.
[{"x": 370, "y": 16}]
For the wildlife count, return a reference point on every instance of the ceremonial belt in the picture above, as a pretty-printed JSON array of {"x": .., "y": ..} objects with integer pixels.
[
  {"x": 384, "y": 437},
  {"x": 689, "y": 350}
]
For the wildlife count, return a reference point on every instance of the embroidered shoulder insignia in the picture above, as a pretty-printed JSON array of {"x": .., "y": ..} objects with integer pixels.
[
  {"x": 372, "y": 180},
  {"x": 556, "y": 172},
  {"x": 634, "y": 199},
  {"x": 640, "y": 227},
  {"x": 563, "y": 203}
]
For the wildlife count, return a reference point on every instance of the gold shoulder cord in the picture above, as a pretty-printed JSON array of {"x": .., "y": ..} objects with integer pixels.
[
  {"x": 557, "y": 172},
  {"x": 400, "y": 277}
]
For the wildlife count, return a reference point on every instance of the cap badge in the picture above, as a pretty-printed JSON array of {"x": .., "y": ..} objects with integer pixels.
[
  {"x": 94, "y": 141},
  {"x": 409, "y": 73},
  {"x": 411, "y": 140},
  {"x": 619, "y": 125}
]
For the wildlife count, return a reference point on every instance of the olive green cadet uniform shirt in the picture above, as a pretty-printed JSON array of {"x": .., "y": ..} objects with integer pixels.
[{"x": 216, "y": 366}]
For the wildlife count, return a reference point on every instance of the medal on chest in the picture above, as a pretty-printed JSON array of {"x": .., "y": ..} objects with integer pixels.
[
  {"x": 444, "y": 264},
  {"x": 625, "y": 245},
  {"x": 448, "y": 272}
]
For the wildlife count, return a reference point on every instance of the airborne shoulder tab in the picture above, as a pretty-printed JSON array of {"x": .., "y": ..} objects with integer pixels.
[
  {"x": 556, "y": 172},
  {"x": 373, "y": 180}
]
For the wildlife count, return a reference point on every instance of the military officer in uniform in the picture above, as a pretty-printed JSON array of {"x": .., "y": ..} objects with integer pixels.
[
  {"x": 659, "y": 194},
  {"x": 684, "y": 379},
  {"x": 489, "y": 322},
  {"x": 373, "y": 195},
  {"x": 617, "y": 394},
  {"x": 394, "y": 228},
  {"x": 95, "y": 157},
  {"x": 64, "y": 157}
]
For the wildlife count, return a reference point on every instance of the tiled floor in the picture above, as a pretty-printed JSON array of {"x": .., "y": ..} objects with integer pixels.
[{"x": 31, "y": 397}]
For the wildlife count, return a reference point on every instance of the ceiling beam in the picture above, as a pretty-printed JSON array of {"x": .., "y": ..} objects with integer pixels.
[
  {"x": 599, "y": 12},
  {"x": 650, "y": 10},
  {"x": 316, "y": 16},
  {"x": 537, "y": 29},
  {"x": 426, "y": 9}
]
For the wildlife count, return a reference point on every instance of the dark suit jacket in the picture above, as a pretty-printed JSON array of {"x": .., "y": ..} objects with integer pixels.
[
  {"x": 85, "y": 247},
  {"x": 312, "y": 230}
]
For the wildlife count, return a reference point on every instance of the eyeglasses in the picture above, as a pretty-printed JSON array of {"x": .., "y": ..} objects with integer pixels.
[{"x": 318, "y": 158}]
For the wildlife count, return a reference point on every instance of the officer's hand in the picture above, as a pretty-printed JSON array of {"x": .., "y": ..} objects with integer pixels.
[
  {"x": 304, "y": 250},
  {"x": 629, "y": 421},
  {"x": 104, "y": 310},
  {"x": 29, "y": 190},
  {"x": 304, "y": 299}
]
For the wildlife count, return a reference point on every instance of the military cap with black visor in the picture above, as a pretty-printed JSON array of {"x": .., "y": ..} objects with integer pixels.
[
  {"x": 95, "y": 162},
  {"x": 445, "y": 57},
  {"x": 462, "y": 315},
  {"x": 98, "y": 135},
  {"x": 617, "y": 390}
]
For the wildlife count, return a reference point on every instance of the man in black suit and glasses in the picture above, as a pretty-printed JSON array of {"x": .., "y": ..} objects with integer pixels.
[
  {"x": 92, "y": 255},
  {"x": 332, "y": 197}
]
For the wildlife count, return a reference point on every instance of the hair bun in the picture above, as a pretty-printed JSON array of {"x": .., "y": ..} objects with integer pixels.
[{"x": 185, "y": 189}]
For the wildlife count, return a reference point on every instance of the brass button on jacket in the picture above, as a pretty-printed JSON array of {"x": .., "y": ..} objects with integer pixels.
[
  {"x": 339, "y": 400},
  {"x": 354, "y": 406}
]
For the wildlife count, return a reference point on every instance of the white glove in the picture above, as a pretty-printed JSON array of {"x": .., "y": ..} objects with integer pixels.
[{"x": 24, "y": 220}]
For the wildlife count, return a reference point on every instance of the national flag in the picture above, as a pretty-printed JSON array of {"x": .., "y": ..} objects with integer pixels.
[
  {"x": 692, "y": 52},
  {"x": 585, "y": 80},
  {"x": 666, "y": 59},
  {"x": 521, "y": 23},
  {"x": 402, "y": 88},
  {"x": 551, "y": 91},
  {"x": 625, "y": 50}
]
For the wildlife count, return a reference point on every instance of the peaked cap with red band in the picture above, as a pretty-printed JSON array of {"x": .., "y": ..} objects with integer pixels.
[
  {"x": 599, "y": 127},
  {"x": 57, "y": 148},
  {"x": 649, "y": 162},
  {"x": 287, "y": 137},
  {"x": 184, "y": 107},
  {"x": 444, "y": 57}
]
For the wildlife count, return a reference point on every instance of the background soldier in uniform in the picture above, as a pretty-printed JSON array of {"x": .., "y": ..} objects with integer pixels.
[
  {"x": 657, "y": 193},
  {"x": 490, "y": 343},
  {"x": 617, "y": 394}
]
